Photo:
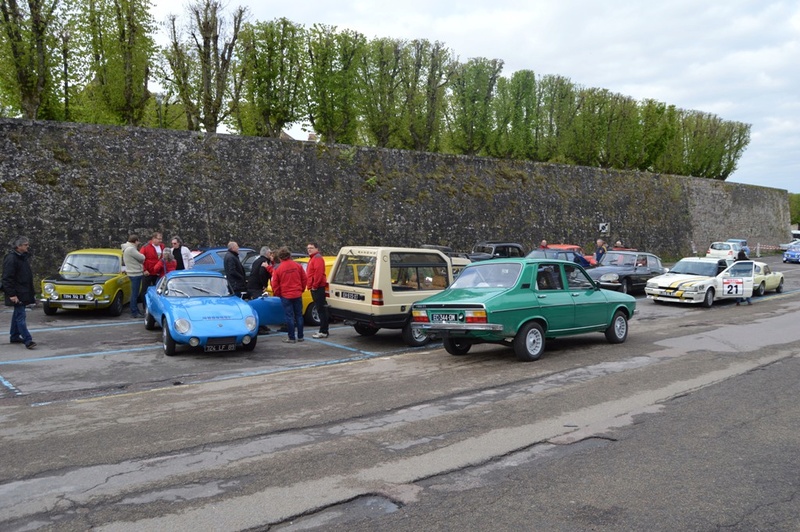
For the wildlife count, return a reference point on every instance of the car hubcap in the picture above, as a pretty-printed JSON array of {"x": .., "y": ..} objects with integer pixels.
[
  {"x": 534, "y": 342},
  {"x": 620, "y": 327}
]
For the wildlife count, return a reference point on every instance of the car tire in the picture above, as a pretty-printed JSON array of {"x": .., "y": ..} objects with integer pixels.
[
  {"x": 617, "y": 332},
  {"x": 529, "y": 342},
  {"x": 311, "y": 316},
  {"x": 251, "y": 345},
  {"x": 626, "y": 286},
  {"x": 779, "y": 289},
  {"x": 414, "y": 337},
  {"x": 115, "y": 308},
  {"x": 48, "y": 309},
  {"x": 149, "y": 321},
  {"x": 708, "y": 299},
  {"x": 169, "y": 342},
  {"x": 457, "y": 346},
  {"x": 762, "y": 288},
  {"x": 365, "y": 330}
]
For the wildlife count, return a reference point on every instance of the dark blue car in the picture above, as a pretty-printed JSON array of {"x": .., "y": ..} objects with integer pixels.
[{"x": 214, "y": 259}]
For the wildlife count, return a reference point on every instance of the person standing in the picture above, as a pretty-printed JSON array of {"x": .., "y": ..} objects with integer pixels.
[
  {"x": 543, "y": 244},
  {"x": 182, "y": 254},
  {"x": 317, "y": 281},
  {"x": 234, "y": 270},
  {"x": 289, "y": 282},
  {"x": 18, "y": 289},
  {"x": 134, "y": 266},
  {"x": 601, "y": 250},
  {"x": 166, "y": 264},
  {"x": 742, "y": 255},
  {"x": 260, "y": 273},
  {"x": 152, "y": 255}
]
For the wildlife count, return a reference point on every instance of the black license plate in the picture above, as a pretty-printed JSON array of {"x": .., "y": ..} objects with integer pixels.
[
  {"x": 220, "y": 347},
  {"x": 351, "y": 295},
  {"x": 443, "y": 318}
]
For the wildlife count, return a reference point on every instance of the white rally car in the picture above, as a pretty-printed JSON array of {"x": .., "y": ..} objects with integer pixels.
[{"x": 703, "y": 280}]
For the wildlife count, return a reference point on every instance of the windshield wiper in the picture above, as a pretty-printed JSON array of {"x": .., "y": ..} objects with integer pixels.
[
  {"x": 178, "y": 291},
  {"x": 205, "y": 291},
  {"x": 92, "y": 268}
]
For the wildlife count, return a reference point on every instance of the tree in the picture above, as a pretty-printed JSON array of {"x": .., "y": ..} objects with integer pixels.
[
  {"x": 28, "y": 54},
  {"x": 472, "y": 89},
  {"x": 201, "y": 66},
  {"x": 424, "y": 81},
  {"x": 272, "y": 73},
  {"x": 794, "y": 209},
  {"x": 333, "y": 105},
  {"x": 381, "y": 87},
  {"x": 556, "y": 109},
  {"x": 514, "y": 110},
  {"x": 121, "y": 48}
]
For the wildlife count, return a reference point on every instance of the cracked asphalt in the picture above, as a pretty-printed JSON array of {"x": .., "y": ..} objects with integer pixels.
[{"x": 689, "y": 425}]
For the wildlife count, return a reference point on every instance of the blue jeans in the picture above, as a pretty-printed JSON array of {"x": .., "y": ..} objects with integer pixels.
[
  {"x": 19, "y": 328},
  {"x": 293, "y": 308},
  {"x": 136, "y": 289}
]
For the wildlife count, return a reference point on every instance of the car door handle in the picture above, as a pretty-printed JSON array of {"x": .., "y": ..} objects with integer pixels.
[
  {"x": 575, "y": 294},
  {"x": 541, "y": 296}
]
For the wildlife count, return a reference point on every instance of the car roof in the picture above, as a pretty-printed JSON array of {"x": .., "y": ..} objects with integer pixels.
[
  {"x": 98, "y": 251},
  {"x": 703, "y": 259},
  {"x": 194, "y": 273}
]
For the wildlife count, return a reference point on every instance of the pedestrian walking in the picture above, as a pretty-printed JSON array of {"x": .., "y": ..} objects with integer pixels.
[{"x": 18, "y": 290}]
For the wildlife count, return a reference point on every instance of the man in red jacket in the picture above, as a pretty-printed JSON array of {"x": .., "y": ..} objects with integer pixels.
[
  {"x": 289, "y": 282},
  {"x": 152, "y": 256},
  {"x": 316, "y": 285}
]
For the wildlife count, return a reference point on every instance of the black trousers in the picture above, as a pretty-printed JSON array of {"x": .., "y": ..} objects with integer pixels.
[{"x": 318, "y": 295}]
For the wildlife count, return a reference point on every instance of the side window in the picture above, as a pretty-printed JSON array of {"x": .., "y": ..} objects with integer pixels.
[
  {"x": 514, "y": 252},
  {"x": 653, "y": 262},
  {"x": 208, "y": 259},
  {"x": 548, "y": 277},
  {"x": 418, "y": 271},
  {"x": 641, "y": 261},
  {"x": 577, "y": 278}
]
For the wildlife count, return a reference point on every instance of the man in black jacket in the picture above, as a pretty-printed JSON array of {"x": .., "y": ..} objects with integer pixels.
[
  {"x": 234, "y": 270},
  {"x": 260, "y": 273},
  {"x": 18, "y": 289}
]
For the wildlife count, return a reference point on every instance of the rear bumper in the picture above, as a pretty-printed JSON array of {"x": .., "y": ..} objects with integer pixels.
[{"x": 389, "y": 321}]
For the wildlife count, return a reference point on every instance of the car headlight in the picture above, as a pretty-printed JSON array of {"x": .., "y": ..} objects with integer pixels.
[
  {"x": 90, "y": 297},
  {"x": 183, "y": 326},
  {"x": 97, "y": 289},
  {"x": 49, "y": 288},
  {"x": 691, "y": 289},
  {"x": 251, "y": 323},
  {"x": 609, "y": 277},
  {"x": 651, "y": 286}
]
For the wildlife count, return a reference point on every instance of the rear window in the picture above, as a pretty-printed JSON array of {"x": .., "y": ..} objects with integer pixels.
[{"x": 355, "y": 270}]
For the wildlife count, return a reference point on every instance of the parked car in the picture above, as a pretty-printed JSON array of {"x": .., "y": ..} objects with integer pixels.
[
  {"x": 795, "y": 242},
  {"x": 196, "y": 308},
  {"x": 269, "y": 310},
  {"x": 213, "y": 259},
  {"x": 703, "y": 280},
  {"x": 723, "y": 250},
  {"x": 792, "y": 254},
  {"x": 88, "y": 279},
  {"x": 560, "y": 254},
  {"x": 492, "y": 249},
  {"x": 520, "y": 303},
  {"x": 588, "y": 257},
  {"x": 766, "y": 280},
  {"x": 373, "y": 288},
  {"x": 742, "y": 244},
  {"x": 626, "y": 271}
]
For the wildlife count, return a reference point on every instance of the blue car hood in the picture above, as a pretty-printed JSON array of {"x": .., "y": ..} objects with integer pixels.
[{"x": 212, "y": 308}]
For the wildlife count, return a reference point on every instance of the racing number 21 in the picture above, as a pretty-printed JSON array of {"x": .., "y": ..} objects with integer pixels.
[{"x": 733, "y": 287}]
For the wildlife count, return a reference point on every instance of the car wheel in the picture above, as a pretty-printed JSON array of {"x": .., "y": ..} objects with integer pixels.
[
  {"x": 48, "y": 309},
  {"x": 169, "y": 343},
  {"x": 311, "y": 317},
  {"x": 761, "y": 289},
  {"x": 708, "y": 300},
  {"x": 149, "y": 321},
  {"x": 626, "y": 286},
  {"x": 529, "y": 342},
  {"x": 365, "y": 330},
  {"x": 414, "y": 337},
  {"x": 617, "y": 332},
  {"x": 251, "y": 345},
  {"x": 115, "y": 309},
  {"x": 457, "y": 346},
  {"x": 780, "y": 287}
]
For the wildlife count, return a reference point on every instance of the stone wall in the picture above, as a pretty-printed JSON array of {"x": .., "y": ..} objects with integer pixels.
[{"x": 68, "y": 186}]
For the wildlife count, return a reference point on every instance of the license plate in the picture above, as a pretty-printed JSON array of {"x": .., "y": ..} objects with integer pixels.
[
  {"x": 72, "y": 296},
  {"x": 443, "y": 318},
  {"x": 220, "y": 347},
  {"x": 351, "y": 295}
]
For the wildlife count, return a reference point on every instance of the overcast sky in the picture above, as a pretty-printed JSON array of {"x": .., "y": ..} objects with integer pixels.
[{"x": 738, "y": 59}]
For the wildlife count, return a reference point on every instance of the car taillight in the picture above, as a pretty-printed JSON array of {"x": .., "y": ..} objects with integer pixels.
[
  {"x": 327, "y": 291},
  {"x": 475, "y": 316},
  {"x": 377, "y": 297},
  {"x": 419, "y": 316}
]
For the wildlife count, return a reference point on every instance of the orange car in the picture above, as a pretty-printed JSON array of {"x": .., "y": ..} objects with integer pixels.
[{"x": 577, "y": 249}]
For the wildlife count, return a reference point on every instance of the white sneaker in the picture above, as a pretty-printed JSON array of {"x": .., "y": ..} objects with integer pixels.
[{"x": 319, "y": 335}]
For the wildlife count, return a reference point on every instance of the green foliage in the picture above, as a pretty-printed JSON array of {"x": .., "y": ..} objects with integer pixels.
[
  {"x": 794, "y": 208},
  {"x": 381, "y": 70},
  {"x": 469, "y": 117}
]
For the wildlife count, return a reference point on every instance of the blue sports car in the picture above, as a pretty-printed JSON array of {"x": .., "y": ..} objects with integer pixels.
[{"x": 197, "y": 308}]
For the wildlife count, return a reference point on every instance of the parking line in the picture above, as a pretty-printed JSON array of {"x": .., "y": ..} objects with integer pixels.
[
  {"x": 79, "y": 355},
  {"x": 10, "y": 386},
  {"x": 68, "y": 327}
]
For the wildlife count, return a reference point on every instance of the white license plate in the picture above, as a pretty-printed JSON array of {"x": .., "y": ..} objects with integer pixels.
[
  {"x": 221, "y": 347},
  {"x": 443, "y": 318},
  {"x": 70, "y": 305}
]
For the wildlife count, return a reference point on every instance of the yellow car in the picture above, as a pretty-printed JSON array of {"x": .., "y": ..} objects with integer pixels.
[
  {"x": 88, "y": 279},
  {"x": 310, "y": 313}
]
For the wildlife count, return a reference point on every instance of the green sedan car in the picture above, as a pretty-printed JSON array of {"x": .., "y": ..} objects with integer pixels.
[{"x": 520, "y": 303}]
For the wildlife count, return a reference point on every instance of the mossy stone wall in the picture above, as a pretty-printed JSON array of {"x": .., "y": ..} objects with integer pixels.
[{"x": 68, "y": 186}]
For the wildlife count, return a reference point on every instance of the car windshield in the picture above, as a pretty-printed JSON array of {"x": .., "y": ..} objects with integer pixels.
[
  {"x": 197, "y": 286},
  {"x": 795, "y": 247},
  {"x": 90, "y": 263},
  {"x": 621, "y": 260},
  {"x": 695, "y": 267},
  {"x": 489, "y": 275}
]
